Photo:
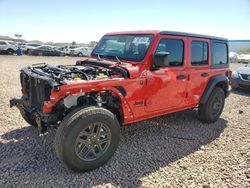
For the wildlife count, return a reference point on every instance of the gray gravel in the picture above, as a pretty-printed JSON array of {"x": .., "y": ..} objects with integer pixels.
[{"x": 169, "y": 151}]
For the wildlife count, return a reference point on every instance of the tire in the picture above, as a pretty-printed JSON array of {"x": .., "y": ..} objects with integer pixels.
[
  {"x": 28, "y": 52},
  {"x": 72, "y": 143},
  {"x": 10, "y": 51},
  {"x": 80, "y": 55},
  {"x": 28, "y": 118},
  {"x": 212, "y": 109}
]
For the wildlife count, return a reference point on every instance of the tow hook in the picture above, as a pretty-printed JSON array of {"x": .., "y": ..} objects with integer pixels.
[{"x": 14, "y": 102}]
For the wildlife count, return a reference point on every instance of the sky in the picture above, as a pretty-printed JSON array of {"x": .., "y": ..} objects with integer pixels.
[{"x": 88, "y": 20}]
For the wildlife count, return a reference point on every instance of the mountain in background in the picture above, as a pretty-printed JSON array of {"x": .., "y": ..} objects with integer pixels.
[
  {"x": 10, "y": 38},
  {"x": 40, "y": 42},
  {"x": 238, "y": 45}
]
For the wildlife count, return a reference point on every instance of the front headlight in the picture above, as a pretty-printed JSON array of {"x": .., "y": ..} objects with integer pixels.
[{"x": 235, "y": 74}]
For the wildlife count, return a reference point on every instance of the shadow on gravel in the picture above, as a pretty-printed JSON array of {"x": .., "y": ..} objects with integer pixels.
[
  {"x": 145, "y": 147},
  {"x": 241, "y": 92}
]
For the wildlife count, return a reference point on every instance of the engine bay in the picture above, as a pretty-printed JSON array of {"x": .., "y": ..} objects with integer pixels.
[{"x": 66, "y": 73}]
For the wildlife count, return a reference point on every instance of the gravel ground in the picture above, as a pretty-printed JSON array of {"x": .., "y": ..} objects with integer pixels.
[{"x": 169, "y": 151}]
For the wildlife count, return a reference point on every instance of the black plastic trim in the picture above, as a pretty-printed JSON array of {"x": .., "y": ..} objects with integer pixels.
[
  {"x": 191, "y": 35},
  {"x": 122, "y": 90},
  {"x": 211, "y": 85}
]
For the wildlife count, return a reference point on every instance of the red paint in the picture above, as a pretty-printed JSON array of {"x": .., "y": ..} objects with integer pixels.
[{"x": 159, "y": 90}]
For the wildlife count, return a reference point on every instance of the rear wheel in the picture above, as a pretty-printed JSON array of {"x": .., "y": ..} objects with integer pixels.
[
  {"x": 87, "y": 138},
  {"x": 212, "y": 109}
]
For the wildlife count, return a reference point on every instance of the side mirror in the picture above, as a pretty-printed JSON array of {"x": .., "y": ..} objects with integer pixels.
[{"x": 160, "y": 60}]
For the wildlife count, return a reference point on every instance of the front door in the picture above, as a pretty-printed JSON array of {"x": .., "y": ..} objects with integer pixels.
[{"x": 167, "y": 86}]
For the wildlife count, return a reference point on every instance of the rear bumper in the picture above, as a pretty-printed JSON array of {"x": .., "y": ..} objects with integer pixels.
[{"x": 43, "y": 120}]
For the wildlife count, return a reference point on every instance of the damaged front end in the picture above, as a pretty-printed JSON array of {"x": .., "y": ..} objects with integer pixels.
[{"x": 40, "y": 80}]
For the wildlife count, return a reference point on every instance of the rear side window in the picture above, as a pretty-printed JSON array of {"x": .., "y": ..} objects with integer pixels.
[
  {"x": 2, "y": 43},
  {"x": 175, "y": 48},
  {"x": 219, "y": 54},
  {"x": 199, "y": 53}
]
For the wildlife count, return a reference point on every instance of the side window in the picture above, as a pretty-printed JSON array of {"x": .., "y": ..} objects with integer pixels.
[
  {"x": 175, "y": 48},
  {"x": 199, "y": 53},
  {"x": 2, "y": 43},
  {"x": 219, "y": 54}
]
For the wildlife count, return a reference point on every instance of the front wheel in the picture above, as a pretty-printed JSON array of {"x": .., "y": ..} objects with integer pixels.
[
  {"x": 87, "y": 138},
  {"x": 212, "y": 109},
  {"x": 80, "y": 55},
  {"x": 10, "y": 51}
]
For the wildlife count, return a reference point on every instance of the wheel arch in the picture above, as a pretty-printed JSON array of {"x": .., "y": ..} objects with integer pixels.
[
  {"x": 115, "y": 103},
  {"x": 216, "y": 81},
  {"x": 10, "y": 49}
]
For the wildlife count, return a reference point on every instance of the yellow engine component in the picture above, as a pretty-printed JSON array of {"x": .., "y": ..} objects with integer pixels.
[{"x": 77, "y": 78}]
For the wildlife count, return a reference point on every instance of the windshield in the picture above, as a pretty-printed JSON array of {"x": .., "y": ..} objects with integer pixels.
[{"x": 126, "y": 47}]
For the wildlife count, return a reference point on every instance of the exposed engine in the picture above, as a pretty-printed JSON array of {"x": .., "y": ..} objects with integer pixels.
[{"x": 63, "y": 74}]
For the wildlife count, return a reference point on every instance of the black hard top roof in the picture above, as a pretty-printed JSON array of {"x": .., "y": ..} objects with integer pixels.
[{"x": 191, "y": 35}]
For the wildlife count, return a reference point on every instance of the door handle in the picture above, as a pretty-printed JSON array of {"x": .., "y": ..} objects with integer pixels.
[
  {"x": 205, "y": 74},
  {"x": 181, "y": 77}
]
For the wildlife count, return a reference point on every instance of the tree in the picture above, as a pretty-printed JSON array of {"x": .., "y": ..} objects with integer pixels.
[
  {"x": 244, "y": 51},
  {"x": 73, "y": 43},
  {"x": 92, "y": 44}
]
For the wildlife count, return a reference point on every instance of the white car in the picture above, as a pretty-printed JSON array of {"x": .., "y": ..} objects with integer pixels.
[
  {"x": 8, "y": 47},
  {"x": 67, "y": 49},
  {"x": 80, "y": 52},
  {"x": 233, "y": 57},
  {"x": 244, "y": 58}
]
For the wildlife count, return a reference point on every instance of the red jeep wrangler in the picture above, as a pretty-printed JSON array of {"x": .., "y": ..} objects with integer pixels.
[{"x": 129, "y": 77}]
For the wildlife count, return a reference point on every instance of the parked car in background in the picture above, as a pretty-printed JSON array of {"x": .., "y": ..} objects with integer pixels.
[
  {"x": 29, "y": 46},
  {"x": 233, "y": 57},
  {"x": 241, "y": 77},
  {"x": 8, "y": 47},
  {"x": 46, "y": 51},
  {"x": 80, "y": 52},
  {"x": 244, "y": 58},
  {"x": 60, "y": 48},
  {"x": 67, "y": 49}
]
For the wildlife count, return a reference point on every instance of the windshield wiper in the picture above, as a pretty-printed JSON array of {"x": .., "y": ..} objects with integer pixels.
[
  {"x": 118, "y": 60},
  {"x": 98, "y": 57}
]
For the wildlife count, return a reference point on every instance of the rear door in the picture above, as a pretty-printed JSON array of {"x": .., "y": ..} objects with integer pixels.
[
  {"x": 199, "y": 68},
  {"x": 167, "y": 85}
]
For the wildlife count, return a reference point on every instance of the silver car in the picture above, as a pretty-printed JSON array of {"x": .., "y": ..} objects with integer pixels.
[
  {"x": 241, "y": 77},
  {"x": 80, "y": 52}
]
